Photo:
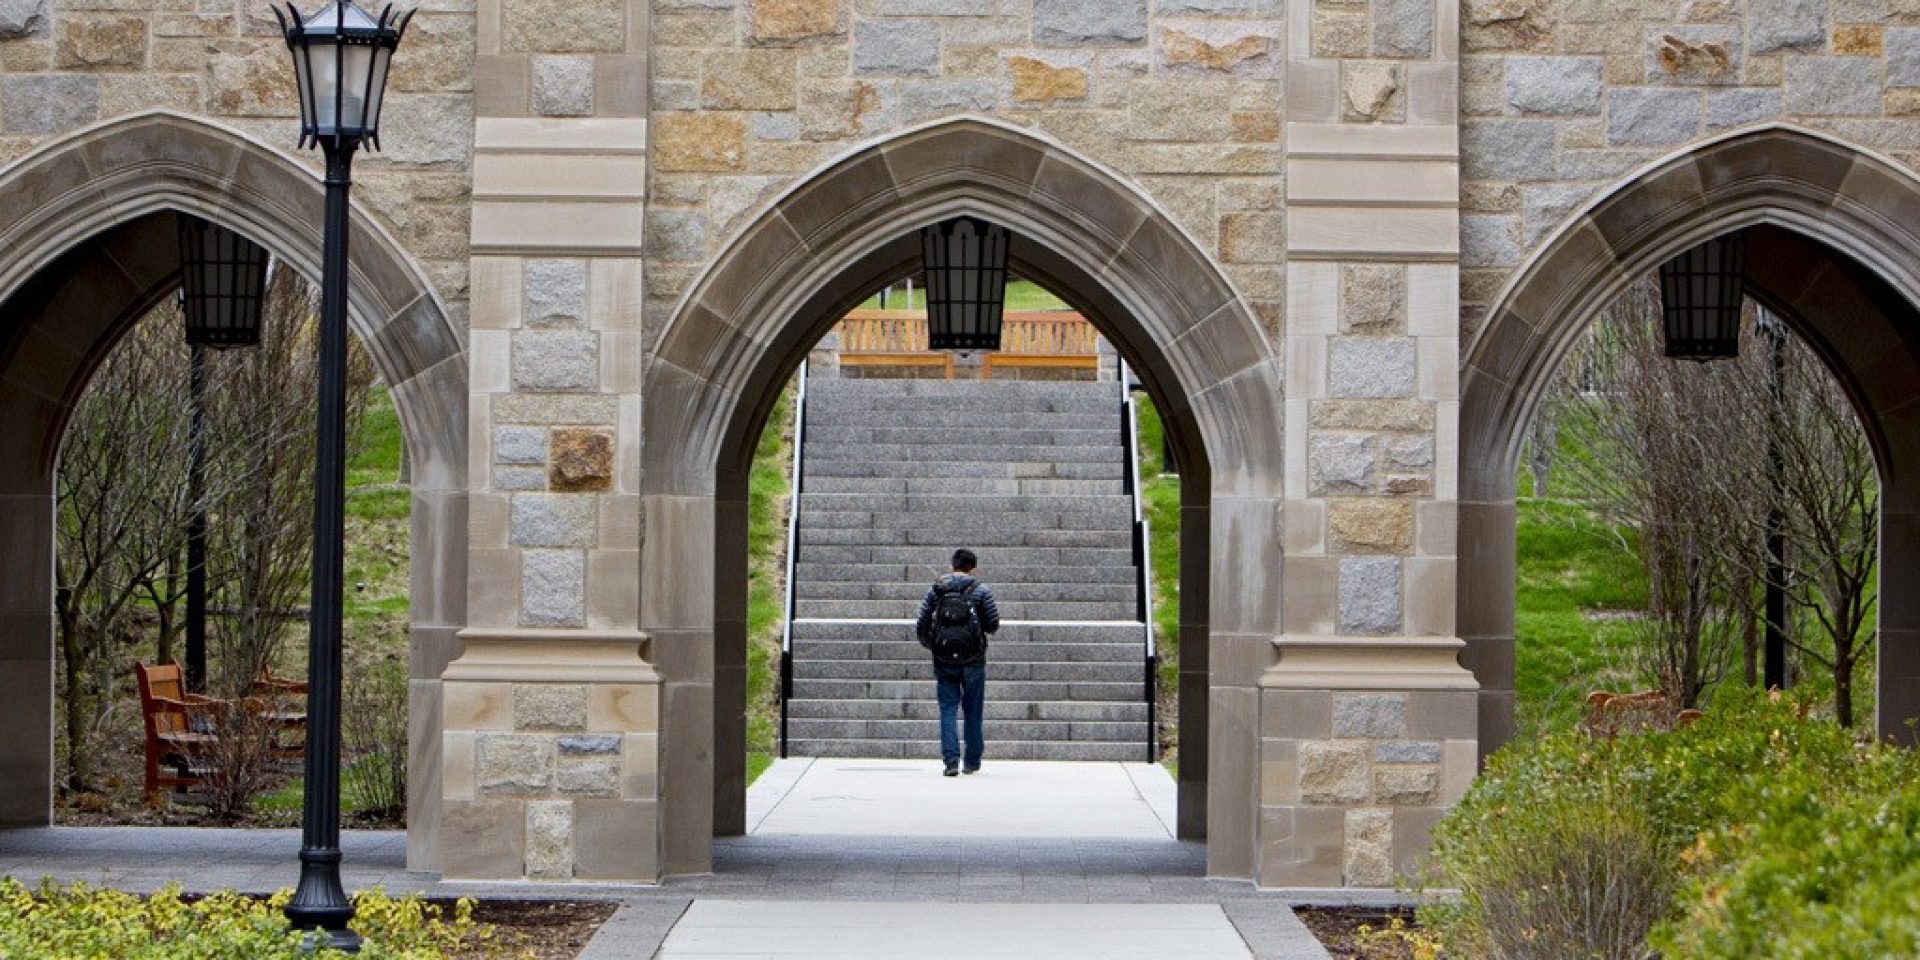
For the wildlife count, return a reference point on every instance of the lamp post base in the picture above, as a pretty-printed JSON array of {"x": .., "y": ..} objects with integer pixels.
[{"x": 320, "y": 905}]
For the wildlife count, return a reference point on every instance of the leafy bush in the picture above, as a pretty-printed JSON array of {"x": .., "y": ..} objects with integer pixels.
[
  {"x": 1570, "y": 848},
  {"x": 1822, "y": 867},
  {"x": 85, "y": 922}
]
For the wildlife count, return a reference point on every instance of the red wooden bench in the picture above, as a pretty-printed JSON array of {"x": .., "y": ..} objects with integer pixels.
[{"x": 180, "y": 725}]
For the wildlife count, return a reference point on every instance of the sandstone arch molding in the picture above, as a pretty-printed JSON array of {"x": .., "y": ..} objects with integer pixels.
[
  {"x": 87, "y": 225},
  {"x": 1836, "y": 251},
  {"x": 817, "y": 250}
]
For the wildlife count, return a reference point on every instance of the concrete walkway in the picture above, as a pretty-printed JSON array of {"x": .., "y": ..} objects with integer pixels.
[{"x": 868, "y": 849}]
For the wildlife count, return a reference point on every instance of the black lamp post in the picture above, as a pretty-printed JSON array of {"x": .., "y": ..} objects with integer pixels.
[
  {"x": 1701, "y": 292},
  {"x": 966, "y": 267},
  {"x": 223, "y": 281},
  {"x": 340, "y": 58}
]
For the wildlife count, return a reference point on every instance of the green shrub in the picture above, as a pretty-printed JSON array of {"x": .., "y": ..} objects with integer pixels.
[
  {"x": 80, "y": 922},
  {"x": 1824, "y": 865},
  {"x": 1570, "y": 848}
]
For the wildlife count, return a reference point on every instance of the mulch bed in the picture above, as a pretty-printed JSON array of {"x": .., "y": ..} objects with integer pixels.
[
  {"x": 1339, "y": 929},
  {"x": 537, "y": 929}
]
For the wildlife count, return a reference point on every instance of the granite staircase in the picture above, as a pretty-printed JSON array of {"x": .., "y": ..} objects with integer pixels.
[{"x": 1031, "y": 476}]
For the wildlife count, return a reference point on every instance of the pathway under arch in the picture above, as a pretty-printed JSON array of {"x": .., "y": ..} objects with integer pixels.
[
  {"x": 88, "y": 226},
  {"x": 1834, "y": 237},
  {"x": 821, "y": 248}
]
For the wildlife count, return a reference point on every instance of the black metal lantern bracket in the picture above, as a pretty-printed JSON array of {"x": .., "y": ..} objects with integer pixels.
[
  {"x": 1702, "y": 291},
  {"x": 223, "y": 279},
  {"x": 965, "y": 260}
]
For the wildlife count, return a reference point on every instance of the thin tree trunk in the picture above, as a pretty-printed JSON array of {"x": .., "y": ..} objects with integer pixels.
[
  {"x": 1843, "y": 691},
  {"x": 79, "y": 770}
]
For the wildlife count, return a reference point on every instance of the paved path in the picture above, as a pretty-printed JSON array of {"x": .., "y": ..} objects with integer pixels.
[
  {"x": 860, "y": 844},
  {"x": 924, "y": 931}
]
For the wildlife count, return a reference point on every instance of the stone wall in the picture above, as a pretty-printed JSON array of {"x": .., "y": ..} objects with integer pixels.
[
  {"x": 68, "y": 63},
  {"x": 750, "y": 94},
  {"x": 1560, "y": 98},
  {"x": 550, "y": 771},
  {"x": 551, "y": 719}
]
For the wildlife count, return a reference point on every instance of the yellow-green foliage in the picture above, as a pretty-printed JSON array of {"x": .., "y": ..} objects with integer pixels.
[
  {"x": 1762, "y": 830},
  {"x": 80, "y": 922}
]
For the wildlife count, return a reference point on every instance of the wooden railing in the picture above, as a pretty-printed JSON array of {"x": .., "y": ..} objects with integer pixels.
[{"x": 1058, "y": 338}]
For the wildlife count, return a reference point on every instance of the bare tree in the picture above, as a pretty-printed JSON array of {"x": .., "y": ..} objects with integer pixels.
[
  {"x": 1658, "y": 447},
  {"x": 1825, "y": 481},
  {"x": 260, "y": 423},
  {"x": 1689, "y": 460},
  {"x": 123, "y": 501}
]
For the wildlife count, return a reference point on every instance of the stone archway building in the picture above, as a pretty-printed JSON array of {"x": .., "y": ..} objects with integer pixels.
[{"x": 1343, "y": 244}]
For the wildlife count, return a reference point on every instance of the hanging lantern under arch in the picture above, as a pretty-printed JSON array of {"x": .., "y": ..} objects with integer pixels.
[
  {"x": 966, "y": 274},
  {"x": 1701, "y": 292},
  {"x": 223, "y": 284}
]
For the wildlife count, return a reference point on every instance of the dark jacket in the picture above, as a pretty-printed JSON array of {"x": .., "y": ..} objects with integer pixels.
[{"x": 984, "y": 606}]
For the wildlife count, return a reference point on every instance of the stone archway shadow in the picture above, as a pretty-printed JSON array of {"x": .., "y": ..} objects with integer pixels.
[
  {"x": 816, "y": 251},
  {"x": 1834, "y": 235},
  {"x": 88, "y": 224}
]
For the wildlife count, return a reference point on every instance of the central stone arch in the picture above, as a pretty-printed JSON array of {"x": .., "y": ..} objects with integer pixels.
[
  {"x": 87, "y": 223},
  {"x": 822, "y": 247},
  {"x": 1834, "y": 248}
]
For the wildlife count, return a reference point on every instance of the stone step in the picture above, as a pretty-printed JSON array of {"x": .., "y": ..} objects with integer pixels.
[
  {"x": 924, "y": 573},
  {"x": 953, "y": 531},
  {"x": 913, "y": 592},
  {"x": 1018, "y": 556},
  {"x": 963, "y": 435},
  {"x": 996, "y": 710},
  {"x": 1010, "y": 690},
  {"x": 883, "y": 418},
  {"x": 901, "y": 628},
  {"x": 1094, "y": 731},
  {"x": 1009, "y": 609},
  {"x": 999, "y": 670},
  {"x": 909, "y": 507},
  {"x": 1131, "y": 651},
  {"x": 940, "y": 543},
  {"x": 960, "y": 408},
  {"x": 945, "y": 537},
  {"x": 826, "y": 453},
  {"x": 897, "y": 387},
  {"x": 983, "y": 486},
  {"x": 1001, "y": 750},
  {"x": 999, "y": 467}
]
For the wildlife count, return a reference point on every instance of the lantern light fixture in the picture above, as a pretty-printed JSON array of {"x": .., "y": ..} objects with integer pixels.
[
  {"x": 223, "y": 283},
  {"x": 1701, "y": 293},
  {"x": 965, "y": 260},
  {"x": 341, "y": 56}
]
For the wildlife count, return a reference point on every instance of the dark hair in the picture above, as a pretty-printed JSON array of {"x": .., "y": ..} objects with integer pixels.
[{"x": 964, "y": 560}]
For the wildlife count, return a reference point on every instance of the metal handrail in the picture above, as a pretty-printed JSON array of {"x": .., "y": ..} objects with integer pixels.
[
  {"x": 793, "y": 549},
  {"x": 1142, "y": 554}
]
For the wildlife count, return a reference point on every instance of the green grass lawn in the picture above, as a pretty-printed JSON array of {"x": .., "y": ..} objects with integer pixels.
[
  {"x": 1576, "y": 586},
  {"x": 378, "y": 509},
  {"x": 1162, "y": 510},
  {"x": 767, "y": 494},
  {"x": 1022, "y": 295}
]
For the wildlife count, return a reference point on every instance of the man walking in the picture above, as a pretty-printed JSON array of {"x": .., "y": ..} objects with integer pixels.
[{"x": 955, "y": 617}]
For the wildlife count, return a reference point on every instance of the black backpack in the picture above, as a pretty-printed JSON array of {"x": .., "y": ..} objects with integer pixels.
[{"x": 957, "y": 637}]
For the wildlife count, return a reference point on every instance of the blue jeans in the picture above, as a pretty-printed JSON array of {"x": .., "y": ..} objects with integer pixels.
[{"x": 962, "y": 687}]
